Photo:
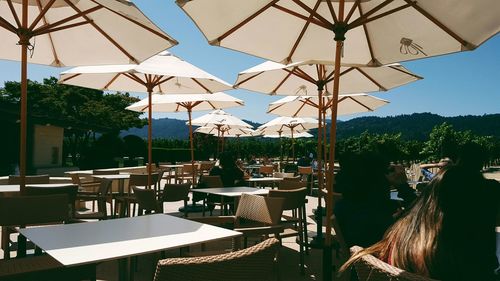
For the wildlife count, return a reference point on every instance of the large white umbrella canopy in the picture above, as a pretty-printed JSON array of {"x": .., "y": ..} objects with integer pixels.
[
  {"x": 291, "y": 125},
  {"x": 226, "y": 132},
  {"x": 288, "y": 135},
  {"x": 378, "y": 31},
  {"x": 163, "y": 73},
  {"x": 221, "y": 121},
  {"x": 302, "y": 78},
  {"x": 219, "y": 118},
  {"x": 304, "y": 106},
  {"x": 186, "y": 102},
  {"x": 70, "y": 33}
]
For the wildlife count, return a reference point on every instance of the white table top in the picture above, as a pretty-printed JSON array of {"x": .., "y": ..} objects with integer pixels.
[
  {"x": 17, "y": 188},
  {"x": 80, "y": 172},
  {"x": 171, "y": 166},
  {"x": 232, "y": 191},
  {"x": 84, "y": 243},
  {"x": 113, "y": 177},
  {"x": 264, "y": 179}
]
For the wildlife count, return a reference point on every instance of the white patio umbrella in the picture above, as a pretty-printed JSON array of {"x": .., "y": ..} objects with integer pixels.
[
  {"x": 70, "y": 33},
  {"x": 372, "y": 32},
  {"x": 288, "y": 135},
  {"x": 226, "y": 132},
  {"x": 307, "y": 106},
  {"x": 186, "y": 103},
  {"x": 220, "y": 119},
  {"x": 308, "y": 78},
  {"x": 163, "y": 73},
  {"x": 288, "y": 124}
]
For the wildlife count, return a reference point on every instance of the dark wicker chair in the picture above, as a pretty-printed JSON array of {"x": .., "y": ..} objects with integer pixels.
[
  {"x": 369, "y": 268},
  {"x": 36, "y": 179},
  {"x": 251, "y": 264}
]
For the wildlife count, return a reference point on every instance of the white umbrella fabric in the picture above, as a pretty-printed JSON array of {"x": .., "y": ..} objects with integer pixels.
[
  {"x": 70, "y": 33},
  {"x": 220, "y": 120},
  {"x": 288, "y": 124},
  {"x": 288, "y": 135},
  {"x": 375, "y": 32},
  {"x": 226, "y": 132},
  {"x": 163, "y": 73},
  {"x": 304, "y": 78},
  {"x": 304, "y": 106}
]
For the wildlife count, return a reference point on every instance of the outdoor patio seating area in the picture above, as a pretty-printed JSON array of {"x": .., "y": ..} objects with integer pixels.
[{"x": 99, "y": 180}]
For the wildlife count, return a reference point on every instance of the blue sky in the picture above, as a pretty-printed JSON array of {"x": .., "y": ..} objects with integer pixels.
[{"x": 466, "y": 83}]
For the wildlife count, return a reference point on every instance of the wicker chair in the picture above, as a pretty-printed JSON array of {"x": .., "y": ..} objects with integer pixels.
[
  {"x": 251, "y": 264},
  {"x": 256, "y": 216},
  {"x": 266, "y": 171},
  {"x": 37, "y": 179},
  {"x": 369, "y": 268},
  {"x": 176, "y": 192},
  {"x": 295, "y": 200},
  {"x": 101, "y": 196},
  {"x": 32, "y": 210}
]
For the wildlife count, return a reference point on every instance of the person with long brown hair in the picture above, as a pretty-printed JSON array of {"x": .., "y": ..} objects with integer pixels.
[{"x": 449, "y": 233}]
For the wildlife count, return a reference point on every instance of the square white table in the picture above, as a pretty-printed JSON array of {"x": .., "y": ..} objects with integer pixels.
[
  {"x": 94, "y": 242},
  {"x": 261, "y": 180}
]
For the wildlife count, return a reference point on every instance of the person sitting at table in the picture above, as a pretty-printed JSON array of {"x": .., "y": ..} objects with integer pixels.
[
  {"x": 303, "y": 162},
  {"x": 425, "y": 168},
  {"x": 366, "y": 210},
  {"x": 230, "y": 173},
  {"x": 449, "y": 234}
]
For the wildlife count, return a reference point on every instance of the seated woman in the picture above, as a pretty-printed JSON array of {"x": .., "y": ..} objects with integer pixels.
[
  {"x": 449, "y": 234},
  {"x": 366, "y": 210},
  {"x": 230, "y": 173}
]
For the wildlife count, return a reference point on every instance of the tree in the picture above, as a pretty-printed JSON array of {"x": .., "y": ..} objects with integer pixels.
[{"x": 81, "y": 111}]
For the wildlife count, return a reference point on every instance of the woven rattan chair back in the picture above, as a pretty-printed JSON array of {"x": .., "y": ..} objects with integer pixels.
[
  {"x": 294, "y": 199},
  {"x": 291, "y": 185},
  {"x": 69, "y": 190},
  {"x": 211, "y": 181},
  {"x": 304, "y": 170},
  {"x": 146, "y": 198},
  {"x": 250, "y": 264},
  {"x": 27, "y": 210},
  {"x": 260, "y": 209},
  {"x": 38, "y": 179},
  {"x": 142, "y": 180},
  {"x": 283, "y": 175},
  {"x": 369, "y": 268},
  {"x": 175, "y": 192},
  {"x": 266, "y": 170}
]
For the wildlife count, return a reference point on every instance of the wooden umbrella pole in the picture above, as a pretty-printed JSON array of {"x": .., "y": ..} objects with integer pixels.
[
  {"x": 150, "y": 135},
  {"x": 340, "y": 29},
  {"x": 24, "y": 42},
  {"x": 189, "y": 109},
  {"x": 293, "y": 144}
]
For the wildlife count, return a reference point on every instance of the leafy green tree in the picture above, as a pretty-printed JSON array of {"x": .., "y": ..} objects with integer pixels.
[{"x": 81, "y": 111}]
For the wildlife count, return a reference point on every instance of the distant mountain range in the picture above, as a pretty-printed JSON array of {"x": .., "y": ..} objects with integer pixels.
[{"x": 415, "y": 126}]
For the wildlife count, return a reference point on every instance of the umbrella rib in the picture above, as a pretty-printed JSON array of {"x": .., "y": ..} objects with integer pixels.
[
  {"x": 14, "y": 14},
  {"x": 52, "y": 46},
  {"x": 173, "y": 41},
  {"x": 103, "y": 33},
  {"x": 249, "y": 78},
  {"x": 47, "y": 31},
  {"x": 111, "y": 81},
  {"x": 299, "y": 109},
  {"x": 282, "y": 82},
  {"x": 302, "y": 74},
  {"x": 351, "y": 12},
  {"x": 165, "y": 80},
  {"x": 302, "y": 32},
  {"x": 201, "y": 85},
  {"x": 367, "y": 20},
  {"x": 368, "y": 40},
  {"x": 362, "y": 19},
  {"x": 7, "y": 25},
  {"x": 42, "y": 13},
  {"x": 332, "y": 11},
  {"x": 380, "y": 86},
  {"x": 135, "y": 78},
  {"x": 210, "y": 103},
  {"x": 300, "y": 16},
  {"x": 464, "y": 43},
  {"x": 405, "y": 72},
  {"x": 341, "y": 74},
  {"x": 242, "y": 23},
  {"x": 274, "y": 108},
  {"x": 360, "y": 103},
  {"x": 70, "y": 77},
  {"x": 51, "y": 27},
  {"x": 309, "y": 10}
]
